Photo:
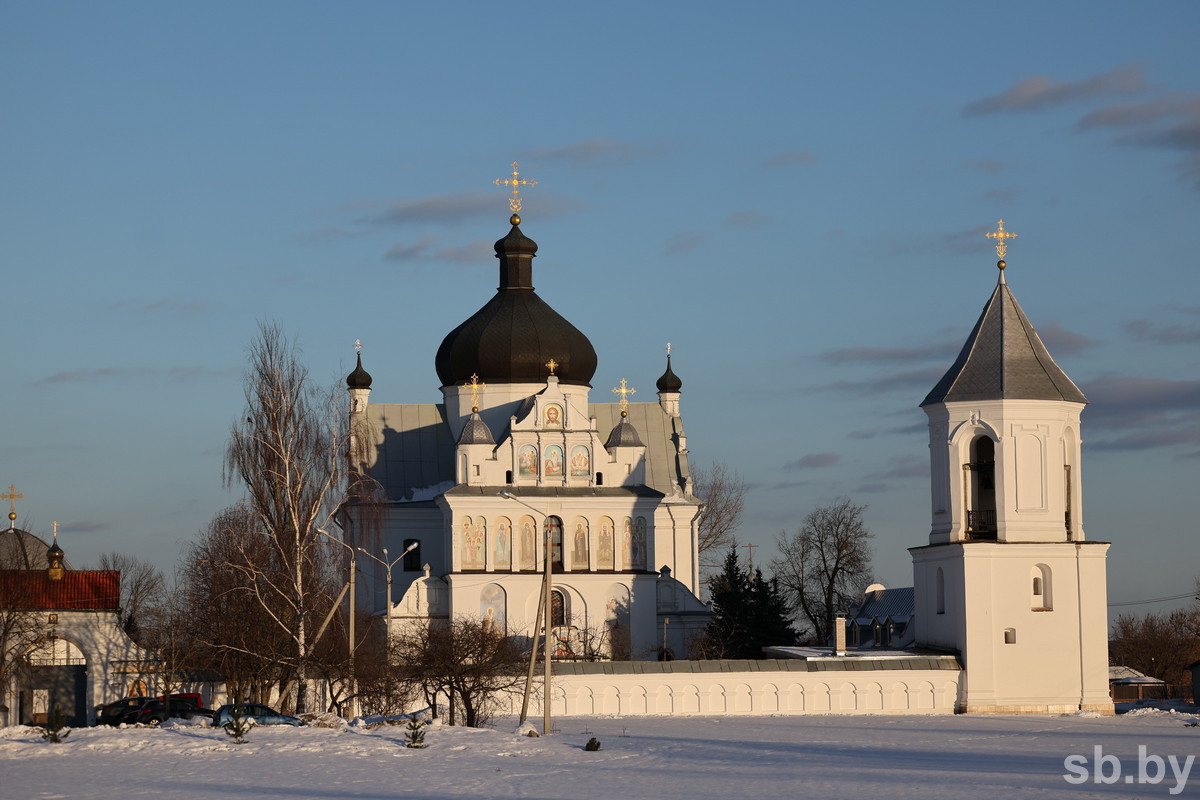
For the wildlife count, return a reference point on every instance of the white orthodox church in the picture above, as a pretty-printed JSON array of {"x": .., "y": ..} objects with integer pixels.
[
  {"x": 518, "y": 443},
  {"x": 1008, "y": 608}
]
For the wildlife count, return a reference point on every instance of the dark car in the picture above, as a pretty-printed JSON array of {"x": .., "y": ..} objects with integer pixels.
[
  {"x": 111, "y": 713},
  {"x": 152, "y": 712},
  {"x": 260, "y": 714}
]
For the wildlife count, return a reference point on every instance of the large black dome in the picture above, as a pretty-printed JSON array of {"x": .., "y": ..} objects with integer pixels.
[{"x": 516, "y": 333}]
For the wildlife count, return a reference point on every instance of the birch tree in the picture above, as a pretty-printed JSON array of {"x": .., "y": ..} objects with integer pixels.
[{"x": 289, "y": 451}]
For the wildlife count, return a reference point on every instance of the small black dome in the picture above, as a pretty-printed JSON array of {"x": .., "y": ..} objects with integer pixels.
[
  {"x": 54, "y": 552},
  {"x": 669, "y": 382},
  {"x": 516, "y": 333},
  {"x": 360, "y": 378},
  {"x": 623, "y": 435}
]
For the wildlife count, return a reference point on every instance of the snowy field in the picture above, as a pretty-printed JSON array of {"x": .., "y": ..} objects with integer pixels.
[{"x": 644, "y": 757}]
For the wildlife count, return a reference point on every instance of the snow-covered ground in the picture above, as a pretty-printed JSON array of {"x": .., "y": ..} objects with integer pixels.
[{"x": 890, "y": 757}]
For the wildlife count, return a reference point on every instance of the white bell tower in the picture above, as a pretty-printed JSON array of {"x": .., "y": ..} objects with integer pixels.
[{"x": 1008, "y": 578}]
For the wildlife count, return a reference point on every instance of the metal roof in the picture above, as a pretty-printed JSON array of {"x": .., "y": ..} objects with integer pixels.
[
  {"x": 1004, "y": 359},
  {"x": 80, "y": 590}
]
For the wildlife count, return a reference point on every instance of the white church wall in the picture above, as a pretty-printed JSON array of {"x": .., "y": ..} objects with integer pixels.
[{"x": 702, "y": 688}]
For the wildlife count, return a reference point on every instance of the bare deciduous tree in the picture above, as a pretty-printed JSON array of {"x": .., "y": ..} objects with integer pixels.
[
  {"x": 1158, "y": 645},
  {"x": 724, "y": 494},
  {"x": 464, "y": 659},
  {"x": 21, "y": 629},
  {"x": 141, "y": 584},
  {"x": 234, "y": 634},
  {"x": 290, "y": 452},
  {"x": 824, "y": 567}
]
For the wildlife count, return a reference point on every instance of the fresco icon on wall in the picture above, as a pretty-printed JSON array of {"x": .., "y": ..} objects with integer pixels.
[
  {"x": 553, "y": 417},
  {"x": 581, "y": 461},
  {"x": 527, "y": 462},
  {"x": 554, "y": 461}
]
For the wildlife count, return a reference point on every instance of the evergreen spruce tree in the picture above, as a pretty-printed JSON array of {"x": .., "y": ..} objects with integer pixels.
[
  {"x": 749, "y": 613},
  {"x": 771, "y": 613}
]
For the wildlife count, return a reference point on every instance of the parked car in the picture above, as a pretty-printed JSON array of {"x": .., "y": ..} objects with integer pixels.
[
  {"x": 260, "y": 714},
  {"x": 156, "y": 711},
  {"x": 111, "y": 713}
]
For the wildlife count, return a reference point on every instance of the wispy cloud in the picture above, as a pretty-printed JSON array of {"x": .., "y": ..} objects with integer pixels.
[
  {"x": 1135, "y": 413},
  {"x": 83, "y": 527},
  {"x": 902, "y": 430},
  {"x": 438, "y": 209},
  {"x": 877, "y": 355},
  {"x": 1040, "y": 92},
  {"x": 1171, "y": 123},
  {"x": 791, "y": 158},
  {"x": 424, "y": 250},
  {"x": 1060, "y": 341},
  {"x": 900, "y": 467},
  {"x": 596, "y": 152},
  {"x": 873, "y": 488},
  {"x": 684, "y": 242},
  {"x": 921, "y": 380},
  {"x": 100, "y": 374},
  {"x": 1002, "y": 195},
  {"x": 1147, "y": 331},
  {"x": 813, "y": 461},
  {"x": 750, "y": 218},
  {"x": 991, "y": 166}
]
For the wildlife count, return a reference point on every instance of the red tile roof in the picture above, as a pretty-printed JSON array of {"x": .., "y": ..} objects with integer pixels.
[{"x": 79, "y": 589}]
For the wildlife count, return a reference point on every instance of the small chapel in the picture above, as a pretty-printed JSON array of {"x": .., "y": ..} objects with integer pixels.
[
  {"x": 69, "y": 652},
  {"x": 519, "y": 456}
]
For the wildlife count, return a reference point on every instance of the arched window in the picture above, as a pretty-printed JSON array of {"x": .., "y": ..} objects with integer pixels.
[
  {"x": 1041, "y": 584},
  {"x": 1010, "y": 635},
  {"x": 558, "y": 608},
  {"x": 554, "y": 528},
  {"x": 981, "y": 491},
  {"x": 412, "y": 559}
]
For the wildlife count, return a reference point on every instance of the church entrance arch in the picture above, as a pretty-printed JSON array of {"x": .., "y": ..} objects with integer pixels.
[{"x": 57, "y": 679}]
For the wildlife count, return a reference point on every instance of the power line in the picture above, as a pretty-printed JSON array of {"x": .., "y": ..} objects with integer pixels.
[{"x": 1187, "y": 595}]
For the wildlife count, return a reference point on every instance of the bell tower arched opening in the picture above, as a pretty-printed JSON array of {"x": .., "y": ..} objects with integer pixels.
[{"x": 981, "y": 489}]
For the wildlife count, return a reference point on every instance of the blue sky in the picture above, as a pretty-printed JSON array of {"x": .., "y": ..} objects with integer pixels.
[{"x": 794, "y": 195}]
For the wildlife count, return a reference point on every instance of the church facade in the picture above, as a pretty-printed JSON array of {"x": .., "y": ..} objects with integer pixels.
[{"x": 519, "y": 457}]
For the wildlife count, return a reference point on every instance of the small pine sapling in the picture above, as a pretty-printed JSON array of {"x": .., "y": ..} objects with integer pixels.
[
  {"x": 414, "y": 736},
  {"x": 238, "y": 726},
  {"x": 56, "y": 728},
  {"x": 593, "y": 744}
]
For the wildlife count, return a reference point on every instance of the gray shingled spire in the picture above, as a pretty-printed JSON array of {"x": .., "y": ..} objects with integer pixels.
[{"x": 1004, "y": 359}]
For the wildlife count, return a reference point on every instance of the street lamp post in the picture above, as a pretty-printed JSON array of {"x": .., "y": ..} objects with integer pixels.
[
  {"x": 388, "y": 566},
  {"x": 353, "y": 567},
  {"x": 546, "y": 616}
]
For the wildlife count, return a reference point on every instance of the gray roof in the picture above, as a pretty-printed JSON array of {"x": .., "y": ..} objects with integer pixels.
[
  {"x": 413, "y": 447},
  {"x": 880, "y": 604},
  {"x": 1004, "y": 359},
  {"x": 22, "y": 550},
  {"x": 658, "y": 431}
]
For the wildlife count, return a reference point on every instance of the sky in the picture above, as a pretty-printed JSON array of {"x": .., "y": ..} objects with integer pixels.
[{"x": 795, "y": 196}]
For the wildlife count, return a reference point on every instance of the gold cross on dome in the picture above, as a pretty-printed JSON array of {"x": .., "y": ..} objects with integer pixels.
[
  {"x": 552, "y": 365},
  {"x": 516, "y": 182},
  {"x": 624, "y": 391},
  {"x": 474, "y": 386},
  {"x": 12, "y": 497},
  {"x": 1001, "y": 236},
  {"x": 668, "y": 349}
]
